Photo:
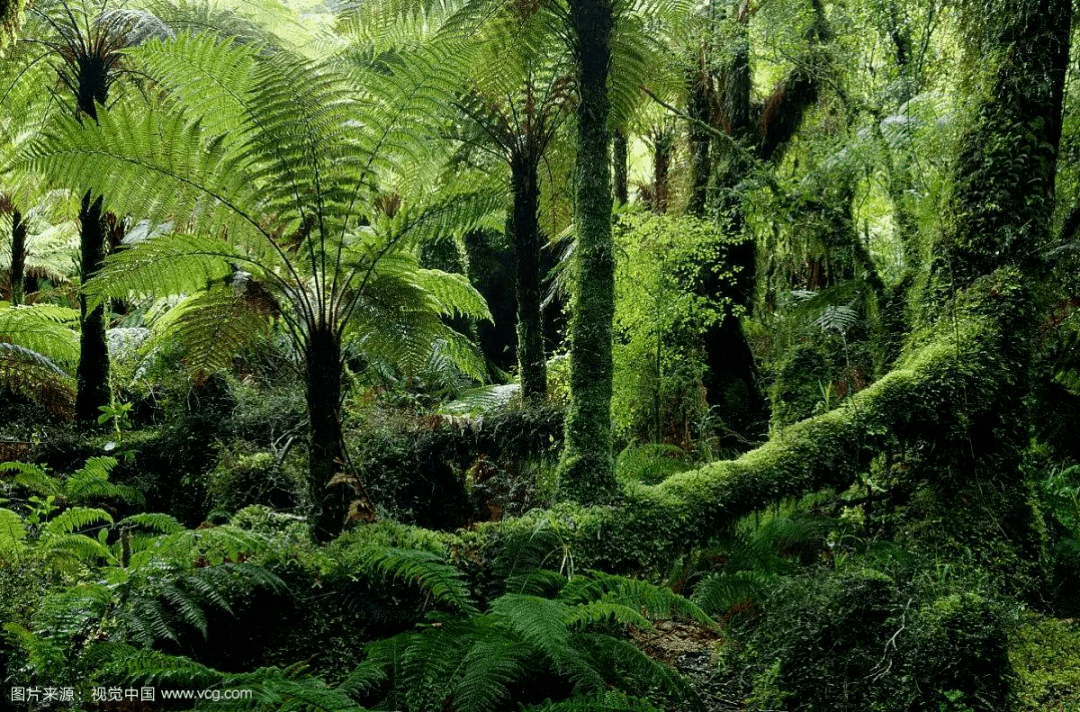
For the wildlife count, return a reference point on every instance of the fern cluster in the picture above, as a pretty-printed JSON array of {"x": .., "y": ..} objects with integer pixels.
[{"x": 523, "y": 645}]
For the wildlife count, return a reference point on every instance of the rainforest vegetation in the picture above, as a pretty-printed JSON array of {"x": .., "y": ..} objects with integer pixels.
[{"x": 564, "y": 355}]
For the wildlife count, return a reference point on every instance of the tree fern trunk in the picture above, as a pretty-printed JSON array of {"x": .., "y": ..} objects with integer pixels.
[
  {"x": 621, "y": 160},
  {"x": 587, "y": 469},
  {"x": 323, "y": 361},
  {"x": 92, "y": 375},
  {"x": 525, "y": 237},
  {"x": 18, "y": 257},
  {"x": 699, "y": 139}
]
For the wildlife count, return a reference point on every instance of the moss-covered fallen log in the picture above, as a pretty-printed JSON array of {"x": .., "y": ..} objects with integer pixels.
[{"x": 937, "y": 394}]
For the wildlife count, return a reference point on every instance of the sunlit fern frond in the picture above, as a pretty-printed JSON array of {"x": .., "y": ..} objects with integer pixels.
[
  {"x": 29, "y": 374},
  {"x": 209, "y": 75},
  {"x": 43, "y": 328},
  {"x": 91, "y": 482},
  {"x": 158, "y": 165},
  {"x": 12, "y": 534},
  {"x": 31, "y": 477},
  {"x": 415, "y": 84},
  {"x": 194, "y": 264},
  {"x": 210, "y": 328}
]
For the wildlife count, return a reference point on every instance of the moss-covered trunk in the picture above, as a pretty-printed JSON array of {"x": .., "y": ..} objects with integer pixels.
[
  {"x": 620, "y": 156},
  {"x": 323, "y": 362},
  {"x": 92, "y": 374},
  {"x": 1001, "y": 210},
  {"x": 586, "y": 471},
  {"x": 697, "y": 88},
  {"x": 526, "y": 240},
  {"x": 18, "y": 257}
]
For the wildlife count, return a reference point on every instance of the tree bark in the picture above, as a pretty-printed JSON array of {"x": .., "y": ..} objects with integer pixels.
[
  {"x": 92, "y": 374},
  {"x": 586, "y": 471},
  {"x": 525, "y": 237},
  {"x": 324, "y": 370},
  {"x": 18, "y": 257},
  {"x": 622, "y": 168},
  {"x": 699, "y": 138}
]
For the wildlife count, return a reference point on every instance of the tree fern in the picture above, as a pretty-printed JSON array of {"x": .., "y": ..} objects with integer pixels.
[{"x": 302, "y": 170}]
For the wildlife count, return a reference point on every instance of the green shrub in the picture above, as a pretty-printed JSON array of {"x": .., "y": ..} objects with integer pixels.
[
  {"x": 860, "y": 640},
  {"x": 1045, "y": 652}
]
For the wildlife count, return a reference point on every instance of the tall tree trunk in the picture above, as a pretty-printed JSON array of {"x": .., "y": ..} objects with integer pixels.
[
  {"x": 586, "y": 471},
  {"x": 92, "y": 375},
  {"x": 525, "y": 237},
  {"x": 1002, "y": 206},
  {"x": 325, "y": 457},
  {"x": 620, "y": 155},
  {"x": 18, "y": 257}
]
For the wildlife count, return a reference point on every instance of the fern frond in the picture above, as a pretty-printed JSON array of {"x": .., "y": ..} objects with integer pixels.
[
  {"x": 151, "y": 667},
  {"x": 75, "y": 546},
  {"x": 454, "y": 294},
  {"x": 211, "y": 75},
  {"x": 163, "y": 523},
  {"x": 194, "y": 262},
  {"x": 610, "y": 701},
  {"x": 621, "y": 660},
  {"x": 74, "y": 519},
  {"x": 604, "y": 612},
  {"x": 492, "y": 664},
  {"x": 12, "y": 533},
  {"x": 32, "y": 477},
  {"x": 45, "y": 329},
  {"x": 720, "y": 591},
  {"x": 155, "y": 164},
  {"x": 210, "y": 328},
  {"x": 657, "y": 602},
  {"x": 36, "y": 378},
  {"x": 190, "y": 610},
  {"x": 92, "y": 481},
  {"x": 427, "y": 570}
]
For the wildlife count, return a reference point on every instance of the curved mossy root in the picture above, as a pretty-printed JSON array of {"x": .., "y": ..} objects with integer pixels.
[{"x": 949, "y": 382}]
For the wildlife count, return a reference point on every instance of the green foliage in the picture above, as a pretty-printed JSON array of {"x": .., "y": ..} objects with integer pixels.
[
  {"x": 38, "y": 351},
  {"x": 660, "y": 315},
  {"x": 1045, "y": 653},
  {"x": 858, "y": 637}
]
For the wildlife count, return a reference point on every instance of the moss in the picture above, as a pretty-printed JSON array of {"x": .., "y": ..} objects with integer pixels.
[
  {"x": 952, "y": 383},
  {"x": 1045, "y": 654}
]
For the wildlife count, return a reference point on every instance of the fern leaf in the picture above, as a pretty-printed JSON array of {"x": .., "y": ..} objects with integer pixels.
[
  {"x": 605, "y": 611},
  {"x": 73, "y": 519},
  {"x": 32, "y": 477},
  {"x": 12, "y": 533},
  {"x": 427, "y": 570},
  {"x": 151, "y": 667},
  {"x": 492, "y": 664},
  {"x": 163, "y": 523},
  {"x": 656, "y": 601}
]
